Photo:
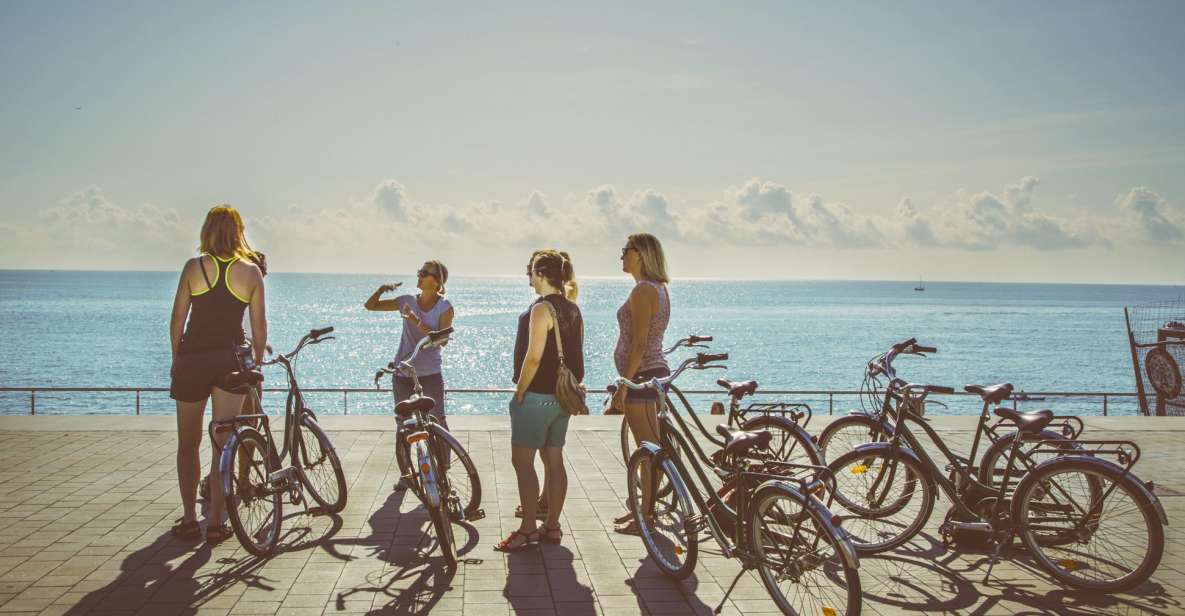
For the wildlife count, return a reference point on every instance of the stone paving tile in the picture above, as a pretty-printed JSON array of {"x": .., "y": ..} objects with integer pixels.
[{"x": 84, "y": 530}]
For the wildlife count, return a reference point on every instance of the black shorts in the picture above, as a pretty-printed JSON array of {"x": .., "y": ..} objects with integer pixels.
[
  {"x": 198, "y": 373},
  {"x": 646, "y": 395}
]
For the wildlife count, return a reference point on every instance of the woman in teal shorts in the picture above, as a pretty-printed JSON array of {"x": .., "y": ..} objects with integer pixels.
[{"x": 538, "y": 424}]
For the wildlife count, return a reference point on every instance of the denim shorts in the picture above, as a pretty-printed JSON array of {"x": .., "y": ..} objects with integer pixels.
[{"x": 537, "y": 422}]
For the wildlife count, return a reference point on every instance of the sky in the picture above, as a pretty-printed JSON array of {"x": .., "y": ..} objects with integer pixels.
[{"x": 1003, "y": 141}]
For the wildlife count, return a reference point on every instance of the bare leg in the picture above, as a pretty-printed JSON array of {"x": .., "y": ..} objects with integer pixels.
[
  {"x": 523, "y": 459},
  {"x": 226, "y": 406},
  {"x": 555, "y": 476},
  {"x": 189, "y": 463},
  {"x": 643, "y": 421},
  {"x": 543, "y": 496}
]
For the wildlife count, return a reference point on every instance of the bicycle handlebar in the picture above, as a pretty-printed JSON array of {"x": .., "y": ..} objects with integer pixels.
[
  {"x": 694, "y": 340},
  {"x": 317, "y": 333}
]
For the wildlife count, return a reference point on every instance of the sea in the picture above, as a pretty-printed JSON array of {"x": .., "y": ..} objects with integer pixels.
[{"x": 97, "y": 329}]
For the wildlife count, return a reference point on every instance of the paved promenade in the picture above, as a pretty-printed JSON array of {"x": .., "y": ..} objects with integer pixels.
[{"x": 86, "y": 504}]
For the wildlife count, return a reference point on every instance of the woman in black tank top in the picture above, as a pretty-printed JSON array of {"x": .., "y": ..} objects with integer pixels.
[
  {"x": 206, "y": 328},
  {"x": 537, "y": 422}
]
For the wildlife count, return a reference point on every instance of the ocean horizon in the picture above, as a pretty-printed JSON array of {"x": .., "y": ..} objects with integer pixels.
[{"x": 101, "y": 328}]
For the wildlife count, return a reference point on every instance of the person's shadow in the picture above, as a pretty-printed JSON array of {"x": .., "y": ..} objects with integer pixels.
[
  {"x": 540, "y": 579},
  {"x": 421, "y": 578},
  {"x": 651, "y": 586},
  {"x": 149, "y": 575}
]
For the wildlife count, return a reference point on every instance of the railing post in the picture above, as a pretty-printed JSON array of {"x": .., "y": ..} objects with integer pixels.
[
  {"x": 137, "y": 401},
  {"x": 1104, "y": 405},
  {"x": 32, "y": 401},
  {"x": 830, "y": 404},
  {"x": 345, "y": 406}
]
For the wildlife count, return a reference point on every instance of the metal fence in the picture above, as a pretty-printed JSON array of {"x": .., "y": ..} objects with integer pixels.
[{"x": 818, "y": 398}]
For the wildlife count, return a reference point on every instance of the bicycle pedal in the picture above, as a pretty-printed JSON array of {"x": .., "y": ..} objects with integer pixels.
[
  {"x": 480, "y": 514},
  {"x": 318, "y": 511},
  {"x": 697, "y": 523}
]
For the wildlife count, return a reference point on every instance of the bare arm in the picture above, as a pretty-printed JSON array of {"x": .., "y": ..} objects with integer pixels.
[
  {"x": 536, "y": 343},
  {"x": 180, "y": 310},
  {"x": 258, "y": 308},
  {"x": 643, "y": 301},
  {"x": 383, "y": 305},
  {"x": 446, "y": 321}
]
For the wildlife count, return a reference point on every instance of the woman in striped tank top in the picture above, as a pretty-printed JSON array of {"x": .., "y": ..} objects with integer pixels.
[{"x": 642, "y": 321}]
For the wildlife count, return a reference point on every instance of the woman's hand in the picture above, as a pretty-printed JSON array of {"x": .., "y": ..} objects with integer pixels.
[
  {"x": 387, "y": 288},
  {"x": 619, "y": 398}
]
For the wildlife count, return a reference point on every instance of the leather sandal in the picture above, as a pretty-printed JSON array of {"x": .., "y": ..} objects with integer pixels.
[
  {"x": 217, "y": 533},
  {"x": 530, "y": 540},
  {"x": 553, "y": 535},
  {"x": 540, "y": 510},
  {"x": 186, "y": 530}
]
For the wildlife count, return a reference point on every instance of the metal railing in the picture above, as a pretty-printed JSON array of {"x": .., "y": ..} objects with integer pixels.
[{"x": 345, "y": 392}]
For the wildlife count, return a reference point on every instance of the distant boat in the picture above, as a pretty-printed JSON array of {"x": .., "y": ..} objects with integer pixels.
[{"x": 920, "y": 287}]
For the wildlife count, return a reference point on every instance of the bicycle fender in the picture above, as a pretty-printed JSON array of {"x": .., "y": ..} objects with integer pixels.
[
  {"x": 883, "y": 423},
  {"x": 423, "y": 458},
  {"x": 1101, "y": 464},
  {"x": 846, "y": 551},
  {"x": 872, "y": 448}
]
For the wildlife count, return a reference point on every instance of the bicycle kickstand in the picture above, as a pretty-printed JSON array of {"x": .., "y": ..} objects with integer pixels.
[
  {"x": 995, "y": 558},
  {"x": 728, "y": 592}
]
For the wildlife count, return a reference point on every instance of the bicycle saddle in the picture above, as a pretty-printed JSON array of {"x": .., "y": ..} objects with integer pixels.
[
  {"x": 408, "y": 407},
  {"x": 238, "y": 379},
  {"x": 1028, "y": 423},
  {"x": 991, "y": 394},
  {"x": 739, "y": 442},
  {"x": 738, "y": 390}
]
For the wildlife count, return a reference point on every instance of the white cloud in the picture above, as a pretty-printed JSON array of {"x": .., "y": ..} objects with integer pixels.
[{"x": 1154, "y": 219}]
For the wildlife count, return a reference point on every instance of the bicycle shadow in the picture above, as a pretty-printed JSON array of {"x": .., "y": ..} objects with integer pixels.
[
  {"x": 422, "y": 577},
  {"x": 153, "y": 575},
  {"x": 914, "y": 578},
  {"x": 654, "y": 591}
]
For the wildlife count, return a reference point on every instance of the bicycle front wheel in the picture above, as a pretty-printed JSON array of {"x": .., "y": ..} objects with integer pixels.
[
  {"x": 444, "y": 533},
  {"x": 889, "y": 494},
  {"x": 320, "y": 466},
  {"x": 663, "y": 516},
  {"x": 845, "y": 433},
  {"x": 798, "y": 556},
  {"x": 254, "y": 506},
  {"x": 1110, "y": 536}
]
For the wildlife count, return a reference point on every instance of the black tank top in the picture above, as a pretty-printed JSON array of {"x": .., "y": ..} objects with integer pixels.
[
  {"x": 571, "y": 325},
  {"x": 216, "y": 314}
]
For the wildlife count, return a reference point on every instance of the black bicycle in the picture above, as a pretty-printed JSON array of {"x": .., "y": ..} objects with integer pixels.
[
  {"x": 778, "y": 525},
  {"x": 1088, "y": 520},
  {"x": 432, "y": 462},
  {"x": 253, "y": 481},
  {"x": 786, "y": 421}
]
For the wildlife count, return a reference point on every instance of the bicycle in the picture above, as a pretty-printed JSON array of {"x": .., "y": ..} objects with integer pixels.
[
  {"x": 254, "y": 494},
  {"x": 1067, "y": 509},
  {"x": 791, "y": 443},
  {"x": 779, "y": 526},
  {"x": 447, "y": 495},
  {"x": 871, "y": 426}
]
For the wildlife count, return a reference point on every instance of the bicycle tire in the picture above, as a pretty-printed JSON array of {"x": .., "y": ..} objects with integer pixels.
[
  {"x": 403, "y": 461},
  {"x": 237, "y": 494},
  {"x": 870, "y": 528},
  {"x": 464, "y": 477},
  {"x": 850, "y": 429},
  {"x": 990, "y": 467},
  {"x": 311, "y": 470},
  {"x": 675, "y": 561},
  {"x": 821, "y": 562},
  {"x": 444, "y": 533},
  {"x": 790, "y": 442},
  {"x": 1035, "y": 487}
]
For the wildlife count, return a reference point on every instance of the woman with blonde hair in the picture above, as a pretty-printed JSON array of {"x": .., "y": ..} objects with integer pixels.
[
  {"x": 642, "y": 321},
  {"x": 538, "y": 424},
  {"x": 206, "y": 333}
]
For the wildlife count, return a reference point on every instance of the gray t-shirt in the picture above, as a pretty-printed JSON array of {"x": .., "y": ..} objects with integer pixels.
[{"x": 428, "y": 361}]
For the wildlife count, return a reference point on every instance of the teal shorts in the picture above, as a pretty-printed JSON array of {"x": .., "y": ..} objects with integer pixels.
[{"x": 538, "y": 422}]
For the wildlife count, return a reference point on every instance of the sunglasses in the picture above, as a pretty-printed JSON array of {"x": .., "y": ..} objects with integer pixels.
[
  {"x": 628, "y": 247},
  {"x": 422, "y": 273}
]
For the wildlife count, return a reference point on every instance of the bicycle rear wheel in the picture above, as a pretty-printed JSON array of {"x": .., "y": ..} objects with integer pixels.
[
  {"x": 798, "y": 556},
  {"x": 254, "y": 508},
  {"x": 458, "y": 468},
  {"x": 789, "y": 443},
  {"x": 670, "y": 539},
  {"x": 1111, "y": 539},
  {"x": 889, "y": 495},
  {"x": 320, "y": 466}
]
